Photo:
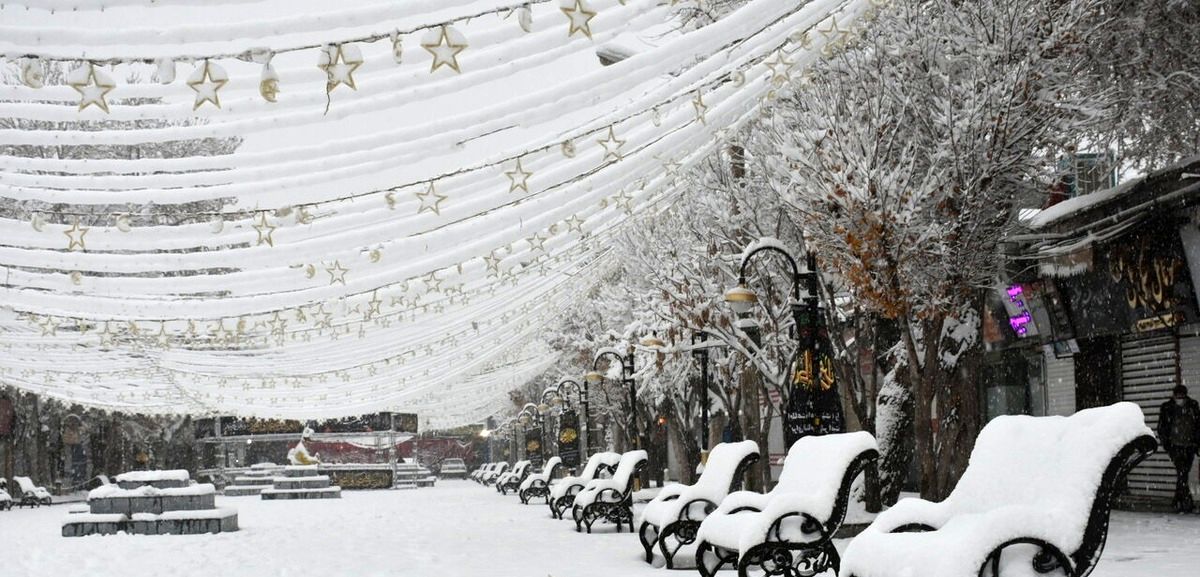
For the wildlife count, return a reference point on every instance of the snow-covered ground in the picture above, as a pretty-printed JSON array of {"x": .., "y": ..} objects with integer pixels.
[{"x": 455, "y": 528}]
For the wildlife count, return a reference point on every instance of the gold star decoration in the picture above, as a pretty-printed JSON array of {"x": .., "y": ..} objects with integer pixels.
[
  {"x": 337, "y": 273},
  {"x": 265, "y": 230},
  {"x": 574, "y": 223},
  {"x": 93, "y": 86},
  {"x": 536, "y": 242},
  {"x": 430, "y": 200},
  {"x": 518, "y": 178},
  {"x": 624, "y": 200},
  {"x": 206, "y": 81},
  {"x": 780, "y": 67},
  {"x": 701, "y": 108},
  {"x": 493, "y": 263},
  {"x": 612, "y": 146},
  {"x": 432, "y": 282},
  {"x": 579, "y": 17},
  {"x": 372, "y": 307},
  {"x": 444, "y": 50},
  {"x": 835, "y": 37},
  {"x": 75, "y": 234},
  {"x": 339, "y": 63}
]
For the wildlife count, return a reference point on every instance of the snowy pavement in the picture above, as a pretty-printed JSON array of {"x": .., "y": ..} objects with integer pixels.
[{"x": 455, "y": 528}]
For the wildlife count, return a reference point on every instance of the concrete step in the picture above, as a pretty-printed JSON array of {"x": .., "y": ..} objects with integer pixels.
[{"x": 325, "y": 493}]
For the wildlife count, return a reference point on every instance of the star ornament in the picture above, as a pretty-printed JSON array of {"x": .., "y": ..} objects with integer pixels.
[
  {"x": 781, "y": 68},
  {"x": 431, "y": 201},
  {"x": 206, "y": 81},
  {"x": 337, "y": 273},
  {"x": 580, "y": 18},
  {"x": 518, "y": 178},
  {"x": 339, "y": 63},
  {"x": 701, "y": 109},
  {"x": 445, "y": 47},
  {"x": 265, "y": 230},
  {"x": 75, "y": 234},
  {"x": 612, "y": 146},
  {"x": 92, "y": 85}
]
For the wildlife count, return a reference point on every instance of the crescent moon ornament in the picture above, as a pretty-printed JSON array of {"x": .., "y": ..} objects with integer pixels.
[
  {"x": 739, "y": 78},
  {"x": 164, "y": 71},
  {"x": 32, "y": 74},
  {"x": 216, "y": 225},
  {"x": 268, "y": 85},
  {"x": 391, "y": 200},
  {"x": 310, "y": 271},
  {"x": 76, "y": 278},
  {"x": 568, "y": 148},
  {"x": 397, "y": 47},
  {"x": 525, "y": 18},
  {"x": 302, "y": 215},
  {"x": 376, "y": 255},
  {"x": 123, "y": 223},
  {"x": 38, "y": 221}
]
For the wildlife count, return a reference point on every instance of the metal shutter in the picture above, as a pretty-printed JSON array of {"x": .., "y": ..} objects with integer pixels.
[
  {"x": 1149, "y": 370},
  {"x": 1060, "y": 384}
]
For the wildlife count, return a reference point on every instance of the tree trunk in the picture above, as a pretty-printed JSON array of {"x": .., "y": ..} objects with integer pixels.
[
  {"x": 927, "y": 379},
  {"x": 751, "y": 419}
]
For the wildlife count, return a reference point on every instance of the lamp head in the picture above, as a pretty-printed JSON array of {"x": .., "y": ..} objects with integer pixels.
[
  {"x": 741, "y": 299},
  {"x": 594, "y": 377}
]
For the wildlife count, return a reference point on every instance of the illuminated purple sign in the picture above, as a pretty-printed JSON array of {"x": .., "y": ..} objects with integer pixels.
[{"x": 1020, "y": 322}]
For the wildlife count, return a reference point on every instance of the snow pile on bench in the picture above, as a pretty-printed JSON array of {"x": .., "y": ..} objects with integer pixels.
[
  {"x": 712, "y": 485},
  {"x": 544, "y": 476},
  {"x": 809, "y": 483},
  {"x": 619, "y": 482},
  {"x": 606, "y": 458},
  {"x": 1028, "y": 477}
]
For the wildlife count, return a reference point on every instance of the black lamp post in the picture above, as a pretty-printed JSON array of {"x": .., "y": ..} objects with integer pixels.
[
  {"x": 594, "y": 377},
  {"x": 700, "y": 351},
  {"x": 806, "y": 316},
  {"x": 562, "y": 389}
]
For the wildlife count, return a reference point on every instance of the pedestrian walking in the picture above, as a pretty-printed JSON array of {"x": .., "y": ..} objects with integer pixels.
[{"x": 1179, "y": 433}]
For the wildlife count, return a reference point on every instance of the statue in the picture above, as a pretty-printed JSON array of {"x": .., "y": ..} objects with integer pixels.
[{"x": 299, "y": 454}]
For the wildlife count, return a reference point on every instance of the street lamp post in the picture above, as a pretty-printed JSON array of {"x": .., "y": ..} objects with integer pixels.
[
  {"x": 805, "y": 315},
  {"x": 700, "y": 351},
  {"x": 562, "y": 388}
]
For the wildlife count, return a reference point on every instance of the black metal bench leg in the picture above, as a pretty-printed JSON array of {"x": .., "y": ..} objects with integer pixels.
[{"x": 648, "y": 542}]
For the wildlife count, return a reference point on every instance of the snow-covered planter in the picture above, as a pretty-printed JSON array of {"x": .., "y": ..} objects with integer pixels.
[
  {"x": 610, "y": 499},
  {"x": 511, "y": 480},
  {"x": 675, "y": 514},
  {"x": 562, "y": 495},
  {"x": 1035, "y": 499},
  {"x": 789, "y": 531},
  {"x": 538, "y": 484}
]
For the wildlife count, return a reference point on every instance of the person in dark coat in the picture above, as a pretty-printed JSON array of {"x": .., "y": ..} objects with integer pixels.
[{"x": 1179, "y": 433}]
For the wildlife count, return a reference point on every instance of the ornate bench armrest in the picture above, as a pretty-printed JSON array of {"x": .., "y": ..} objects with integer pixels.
[{"x": 685, "y": 514}]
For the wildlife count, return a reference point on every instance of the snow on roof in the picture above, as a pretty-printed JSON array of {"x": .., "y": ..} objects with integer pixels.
[{"x": 1085, "y": 202}]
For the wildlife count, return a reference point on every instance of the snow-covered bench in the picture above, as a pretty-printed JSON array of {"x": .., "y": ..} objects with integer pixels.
[
  {"x": 562, "y": 494},
  {"x": 511, "y": 480},
  {"x": 474, "y": 476},
  {"x": 609, "y": 499},
  {"x": 538, "y": 484},
  {"x": 676, "y": 512},
  {"x": 490, "y": 477},
  {"x": 31, "y": 495},
  {"x": 6, "y": 501},
  {"x": 789, "y": 530},
  {"x": 1035, "y": 499}
]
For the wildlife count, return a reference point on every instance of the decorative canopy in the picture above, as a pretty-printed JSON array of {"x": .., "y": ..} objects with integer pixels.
[{"x": 303, "y": 210}]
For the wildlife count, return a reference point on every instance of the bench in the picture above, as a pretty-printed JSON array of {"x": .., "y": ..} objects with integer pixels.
[
  {"x": 789, "y": 531},
  {"x": 511, "y": 480},
  {"x": 609, "y": 499},
  {"x": 490, "y": 477},
  {"x": 6, "y": 501},
  {"x": 675, "y": 513},
  {"x": 31, "y": 495},
  {"x": 474, "y": 476},
  {"x": 538, "y": 484},
  {"x": 562, "y": 494},
  {"x": 1035, "y": 498}
]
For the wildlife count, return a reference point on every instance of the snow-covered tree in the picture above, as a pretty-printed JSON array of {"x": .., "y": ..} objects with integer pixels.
[{"x": 905, "y": 156}]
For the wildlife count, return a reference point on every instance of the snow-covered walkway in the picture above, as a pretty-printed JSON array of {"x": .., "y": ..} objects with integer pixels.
[{"x": 455, "y": 529}]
